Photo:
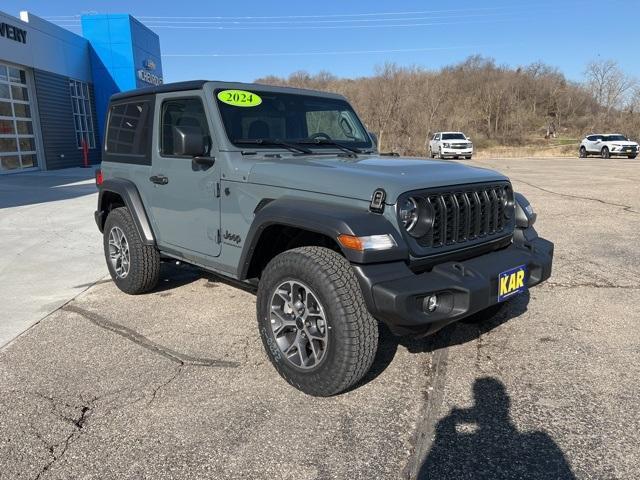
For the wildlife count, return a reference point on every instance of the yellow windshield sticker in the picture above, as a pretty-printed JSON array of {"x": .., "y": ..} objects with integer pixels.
[{"x": 239, "y": 98}]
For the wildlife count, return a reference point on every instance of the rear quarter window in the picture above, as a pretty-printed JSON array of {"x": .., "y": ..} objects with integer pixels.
[{"x": 128, "y": 129}]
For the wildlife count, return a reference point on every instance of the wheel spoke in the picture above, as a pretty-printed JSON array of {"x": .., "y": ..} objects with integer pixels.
[{"x": 282, "y": 319}]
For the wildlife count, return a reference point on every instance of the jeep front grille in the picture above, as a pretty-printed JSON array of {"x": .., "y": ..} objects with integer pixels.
[{"x": 466, "y": 214}]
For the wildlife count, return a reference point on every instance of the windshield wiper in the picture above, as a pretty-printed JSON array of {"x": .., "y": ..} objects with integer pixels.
[
  {"x": 327, "y": 141},
  {"x": 274, "y": 142}
]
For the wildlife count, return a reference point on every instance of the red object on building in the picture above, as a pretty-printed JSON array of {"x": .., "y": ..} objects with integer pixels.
[{"x": 85, "y": 154}]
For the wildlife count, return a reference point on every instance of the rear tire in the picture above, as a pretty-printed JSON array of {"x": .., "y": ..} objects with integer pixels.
[
  {"x": 134, "y": 267},
  {"x": 604, "y": 153},
  {"x": 296, "y": 287},
  {"x": 583, "y": 152}
]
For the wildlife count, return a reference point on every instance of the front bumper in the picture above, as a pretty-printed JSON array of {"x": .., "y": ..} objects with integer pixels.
[
  {"x": 624, "y": 151},
  {"x": 394, "y": 294},
  {"x": 449, "y": 152}
]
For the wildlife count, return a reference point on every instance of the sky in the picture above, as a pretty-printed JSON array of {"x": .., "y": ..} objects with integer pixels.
[{"x": 242, "y": 40}]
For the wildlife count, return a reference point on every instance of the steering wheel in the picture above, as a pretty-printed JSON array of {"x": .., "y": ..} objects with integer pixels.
[{"x": 320, "y": 135}]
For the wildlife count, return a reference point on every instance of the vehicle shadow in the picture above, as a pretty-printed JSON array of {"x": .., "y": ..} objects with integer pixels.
[
  {"x": 481, "y": 442},
  {"x": 29, "y": 188},
  {"x": 464, "y": 332},
  {"x": 174, "y": 275}
]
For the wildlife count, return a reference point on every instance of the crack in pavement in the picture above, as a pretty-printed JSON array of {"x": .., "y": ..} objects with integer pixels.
[
  {"x": 139, "y": 339},
  {"x": 154, "y": 394},
  {"x": 626, "y": 208},
  {"x": 550, "y": 285},
  {"x": 78, "y": 424}
]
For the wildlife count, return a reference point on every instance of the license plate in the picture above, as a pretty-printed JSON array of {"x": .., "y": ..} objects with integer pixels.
[{"x": 512, "y": 282}]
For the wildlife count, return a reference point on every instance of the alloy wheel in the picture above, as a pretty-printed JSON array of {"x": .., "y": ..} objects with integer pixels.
[
  {"x": 119, "y": 252},
  {"x": 299, "y": 324}
]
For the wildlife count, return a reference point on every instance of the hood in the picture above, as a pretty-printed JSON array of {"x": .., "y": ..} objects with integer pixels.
[{"x": 358, "y": 177}]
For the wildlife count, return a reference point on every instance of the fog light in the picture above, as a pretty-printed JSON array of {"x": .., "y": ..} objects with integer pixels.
[{"x": 430, "y": 303}]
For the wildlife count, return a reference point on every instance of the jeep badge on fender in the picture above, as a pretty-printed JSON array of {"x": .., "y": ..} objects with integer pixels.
[{"x": 336, "y": 237}]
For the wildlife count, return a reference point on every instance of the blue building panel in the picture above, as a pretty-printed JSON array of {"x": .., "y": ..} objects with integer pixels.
[
  {"x": 124, "y": 55},
  {"x": 115, "y": 53}
]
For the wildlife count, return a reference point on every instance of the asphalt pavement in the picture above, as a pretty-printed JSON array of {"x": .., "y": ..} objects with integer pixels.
[{"x": 174, "y": 384}]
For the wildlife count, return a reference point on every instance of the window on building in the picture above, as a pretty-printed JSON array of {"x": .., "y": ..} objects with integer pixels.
[
  {"x": 82, "y": 118},
  {"x": 17, "y": 139},
  {"x": 128, "y": 129}
]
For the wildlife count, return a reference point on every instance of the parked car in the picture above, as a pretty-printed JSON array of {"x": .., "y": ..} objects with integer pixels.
[
  {"x": 608, "y": 145},
  {"x": 284, "y": 189},
  {"x": 450, "y": 144}
]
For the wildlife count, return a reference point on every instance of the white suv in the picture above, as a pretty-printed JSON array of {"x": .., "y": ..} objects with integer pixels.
[
  {"x": 450, "y": 144},
  {"x": 607, "y": 146}
]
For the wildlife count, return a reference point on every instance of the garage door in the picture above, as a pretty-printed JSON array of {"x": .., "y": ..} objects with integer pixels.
[{"x": 17, "y": 140}]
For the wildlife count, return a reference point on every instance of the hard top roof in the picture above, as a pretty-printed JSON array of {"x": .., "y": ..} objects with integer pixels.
[{"x": 199, "y": 84}]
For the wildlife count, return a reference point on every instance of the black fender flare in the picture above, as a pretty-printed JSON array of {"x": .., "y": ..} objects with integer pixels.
[
  {"x": 324, "y": 218},
  {"x": 525, "y": 215},
  {"x": 128, "y": 191}
]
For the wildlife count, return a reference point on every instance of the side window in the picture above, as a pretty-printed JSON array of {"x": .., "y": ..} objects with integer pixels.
[
  {"x": 183, "y": 112},
  {"x": 128, "y": 129}
]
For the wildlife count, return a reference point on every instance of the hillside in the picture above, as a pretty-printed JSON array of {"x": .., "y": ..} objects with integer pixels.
[{"x": 496, "y": 105}]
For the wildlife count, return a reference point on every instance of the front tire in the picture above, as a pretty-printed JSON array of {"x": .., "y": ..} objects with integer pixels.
[
  {"x": 134, "y": 267},
  {"x": 583, "y": 152},
  {"x": 605, "y": 153},
  {"x": 633, "y": 156},
  {"x": 468, "y": 157},
  {"x": 313, "y": 321}
]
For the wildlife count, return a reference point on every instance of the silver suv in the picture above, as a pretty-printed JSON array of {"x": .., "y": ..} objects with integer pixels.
[{"x": 283, "y": 189}]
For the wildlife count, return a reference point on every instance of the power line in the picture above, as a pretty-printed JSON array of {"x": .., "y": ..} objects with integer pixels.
[
  {"x": 323, "y": 27},
  {"x": 338, "y": 52},
  {"x": 337, "y": 15},
  {"x": 212, "y": 22},
  {"x": 288, "y": 25}
]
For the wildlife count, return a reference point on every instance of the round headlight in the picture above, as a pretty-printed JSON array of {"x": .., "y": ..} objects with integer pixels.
[{"x": 408, "y": 212}]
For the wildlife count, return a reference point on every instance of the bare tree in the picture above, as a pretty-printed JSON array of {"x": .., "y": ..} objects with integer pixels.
[
  {"x": 608, "y": 84},
  {"x": 495, "y": 104}
]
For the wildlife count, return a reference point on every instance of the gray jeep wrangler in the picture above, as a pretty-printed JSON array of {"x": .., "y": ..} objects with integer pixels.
[{"x": 284, "y": 188}]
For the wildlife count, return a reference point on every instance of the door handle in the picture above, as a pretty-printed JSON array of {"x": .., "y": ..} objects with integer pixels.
[{"x": 159, "y": 179}]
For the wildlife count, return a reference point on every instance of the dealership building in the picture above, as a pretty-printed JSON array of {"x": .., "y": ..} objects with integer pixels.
[{"x": 55, "y": 85}]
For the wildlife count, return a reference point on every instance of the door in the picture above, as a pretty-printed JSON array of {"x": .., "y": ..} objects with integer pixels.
[
  {"x": 434, "y": 143},
  {"x": 593, "y": 143},
  {"x": 185, "y": 201},
  {"x": 17, "y": 133}
]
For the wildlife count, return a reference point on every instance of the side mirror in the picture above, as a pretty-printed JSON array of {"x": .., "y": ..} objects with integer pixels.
[
  {"x": 188, "y": 141},
  {"x": 374, "y": 138}
]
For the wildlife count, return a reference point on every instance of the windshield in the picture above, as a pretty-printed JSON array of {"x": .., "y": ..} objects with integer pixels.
[
  {"x": 453, "y": 136},
  {"x": 260, "y": 118},
  {"x": 615, "y": 138}
]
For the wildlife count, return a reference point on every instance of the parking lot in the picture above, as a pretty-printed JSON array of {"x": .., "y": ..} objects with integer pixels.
[{"x": 175, "y": 384}]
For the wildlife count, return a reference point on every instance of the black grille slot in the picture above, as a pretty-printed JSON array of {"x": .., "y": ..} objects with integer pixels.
[{"x": 466, "y": 214}]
